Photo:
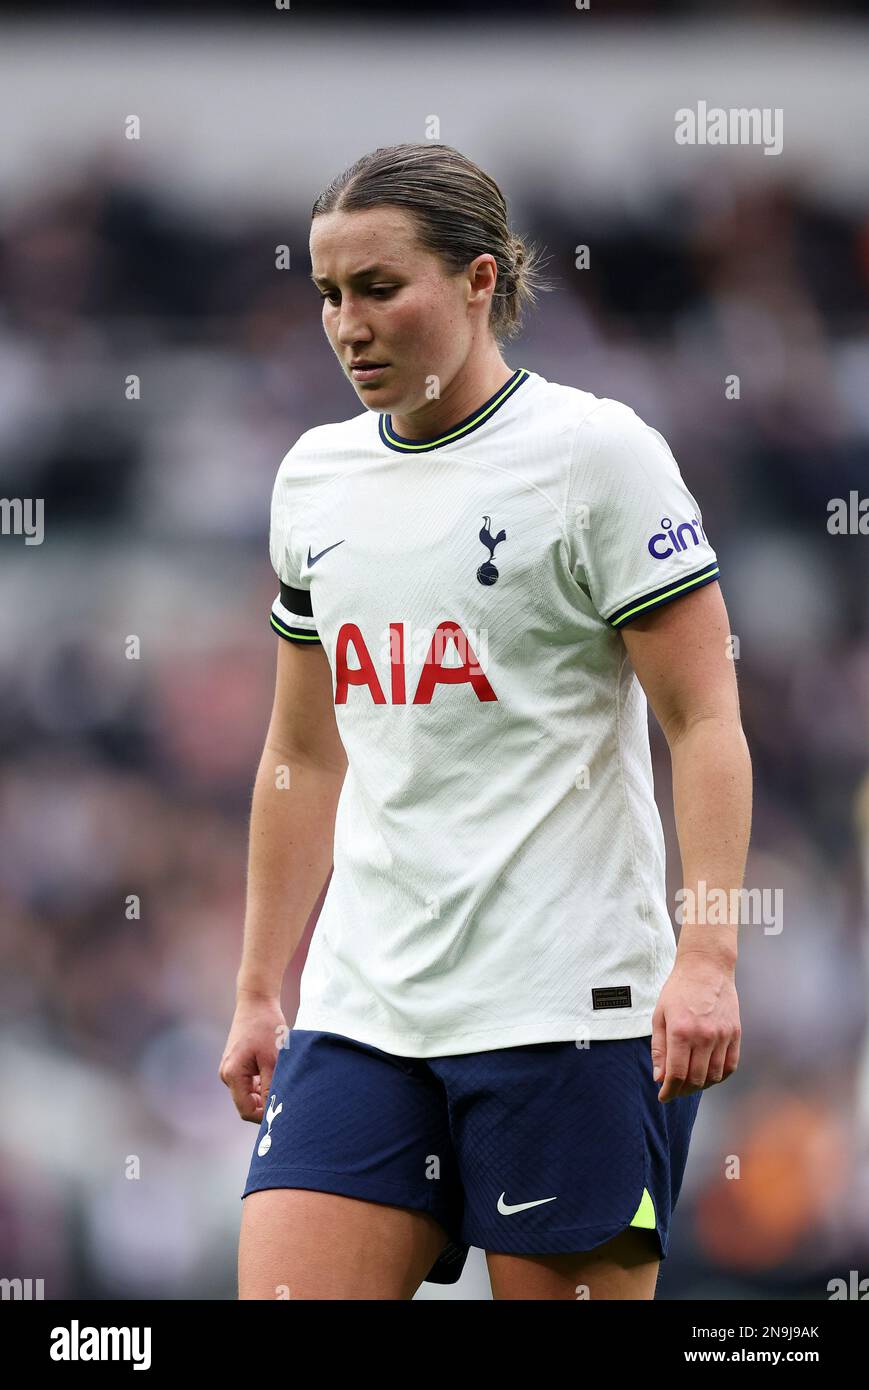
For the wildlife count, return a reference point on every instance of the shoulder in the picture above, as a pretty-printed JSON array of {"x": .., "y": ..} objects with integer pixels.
[
  {"x": 613, "y": 422},
  {"x": 611, "y": 438},
  {"x": 325, "y": 449},
  {"x": 562, "y": 407},
  {"x": 596, "y": 425}
]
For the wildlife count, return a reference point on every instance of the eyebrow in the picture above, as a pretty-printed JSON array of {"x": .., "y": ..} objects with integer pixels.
[{"x": 357, "y": 274}]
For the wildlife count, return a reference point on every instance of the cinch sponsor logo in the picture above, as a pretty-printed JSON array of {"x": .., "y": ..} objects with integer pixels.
[
  {"x": 668, "y": 541},
  {"x": 447, "y": 636}
]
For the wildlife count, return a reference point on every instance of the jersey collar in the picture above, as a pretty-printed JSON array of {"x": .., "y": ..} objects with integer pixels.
[{"x": 471, "y": 422}]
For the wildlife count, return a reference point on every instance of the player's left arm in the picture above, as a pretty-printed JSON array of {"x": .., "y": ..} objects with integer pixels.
[{"x": 682, "y": 655}]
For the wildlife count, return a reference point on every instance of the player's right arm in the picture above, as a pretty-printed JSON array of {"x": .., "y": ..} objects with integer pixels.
[{"x": 292, "y": 823}]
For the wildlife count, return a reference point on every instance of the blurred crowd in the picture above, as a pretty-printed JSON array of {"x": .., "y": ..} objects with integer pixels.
[{"x": 153, "y": 372}]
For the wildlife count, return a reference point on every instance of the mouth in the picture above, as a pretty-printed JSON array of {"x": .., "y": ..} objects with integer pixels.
[{"x": 368, "y": 372}]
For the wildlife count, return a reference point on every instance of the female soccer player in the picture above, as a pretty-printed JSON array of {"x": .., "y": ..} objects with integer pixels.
[{"x": 483, "y": 575}]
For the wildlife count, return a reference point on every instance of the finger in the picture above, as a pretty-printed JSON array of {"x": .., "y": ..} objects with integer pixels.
[
  {"x": 250, "y": 1106},
  {"x": 716, "y": 1065},
  {"x": 659, "y": 1045},
  {"x": 731, "y": 1061},
  {"x": 259, "y": 1096},
  {"x": 675, "y": 1067},
  {"x": 698, "y": 1069},
  {"x": 243, "y": 1089},
  {"x": 250, "y": 1087},
  {"x": 245, "y": 1101}
]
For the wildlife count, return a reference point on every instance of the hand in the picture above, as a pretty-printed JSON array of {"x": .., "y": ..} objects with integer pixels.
[
  {"x": 248, "y": 1062},
  {"x": 695, "y": 1027}
]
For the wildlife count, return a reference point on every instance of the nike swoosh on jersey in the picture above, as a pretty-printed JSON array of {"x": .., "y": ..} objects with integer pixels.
[
  {"x": 506, "y": 1210},
  {"x": 312, "y": 559}
]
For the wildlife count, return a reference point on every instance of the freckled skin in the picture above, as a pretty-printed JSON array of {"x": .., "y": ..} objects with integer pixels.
[{"x": 433, "y": 324}]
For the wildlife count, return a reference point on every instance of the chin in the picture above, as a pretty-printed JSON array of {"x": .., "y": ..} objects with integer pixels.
[
  {"x": 375, "y": 396},
  {"x": 374, "y": 400}
]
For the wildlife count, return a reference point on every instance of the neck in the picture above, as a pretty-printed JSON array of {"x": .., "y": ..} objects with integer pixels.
[{"x": 470, "y": 387}]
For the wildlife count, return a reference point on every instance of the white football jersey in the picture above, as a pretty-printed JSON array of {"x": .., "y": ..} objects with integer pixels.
[{"x": 499, "y": 874}]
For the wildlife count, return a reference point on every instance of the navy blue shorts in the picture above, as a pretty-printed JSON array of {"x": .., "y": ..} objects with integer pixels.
[{"x": 539, "y": 1149}]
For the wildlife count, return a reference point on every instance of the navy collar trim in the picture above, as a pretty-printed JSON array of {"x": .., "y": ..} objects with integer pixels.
[{"x": 472, "y": 422}]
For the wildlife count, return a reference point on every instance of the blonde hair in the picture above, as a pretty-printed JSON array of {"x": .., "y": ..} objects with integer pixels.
[{"x": 460, "y": 214}]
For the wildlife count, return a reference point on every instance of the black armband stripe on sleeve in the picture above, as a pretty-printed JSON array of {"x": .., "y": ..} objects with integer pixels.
[
  {"x": 297, "y": 601},
  {"x": 294, "y": 603},
  {"x": 656, "y": 597}
]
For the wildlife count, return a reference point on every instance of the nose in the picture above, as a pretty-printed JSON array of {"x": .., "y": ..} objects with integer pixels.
[{"x": 351, "y": 324}]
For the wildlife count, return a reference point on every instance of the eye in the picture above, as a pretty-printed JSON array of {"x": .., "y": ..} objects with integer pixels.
[{"x": 378, "y": 290}]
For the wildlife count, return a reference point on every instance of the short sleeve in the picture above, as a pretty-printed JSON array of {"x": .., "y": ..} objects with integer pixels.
[
  {"x": 636, "y": 533},
  {"x": 291, "y": 614}
]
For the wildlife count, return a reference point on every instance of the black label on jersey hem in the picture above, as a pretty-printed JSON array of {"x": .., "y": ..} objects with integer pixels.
[{"x": 617, "y": 997}]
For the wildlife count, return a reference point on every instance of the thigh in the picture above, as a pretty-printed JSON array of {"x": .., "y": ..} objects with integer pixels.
[
  {"x": 302, "y": 1244},
  {"x": 625, "y": 1267},
  {"x": 352, "y": 1180}
]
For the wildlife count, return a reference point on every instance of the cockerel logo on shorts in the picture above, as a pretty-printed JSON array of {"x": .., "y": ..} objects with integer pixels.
[{"x": 271, "y": 1115}]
